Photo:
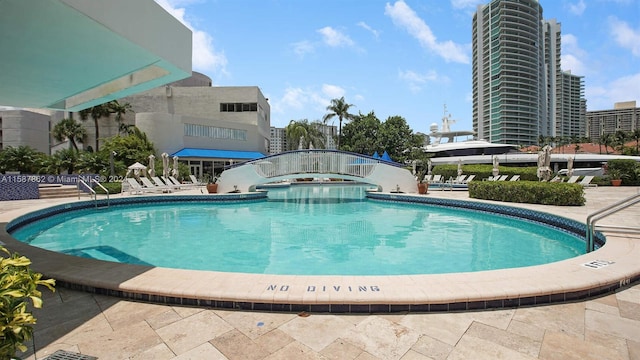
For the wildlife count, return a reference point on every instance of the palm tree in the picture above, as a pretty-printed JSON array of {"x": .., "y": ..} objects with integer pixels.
[
  {"x": 69, "y": 129},
  {"x": 96, "y": 112},
  {"x": 339, "y": 108},
  {"x": 606, "y": 140},
  {"x": 119, "y": 110},
  {"x": 305, "y": 133}
]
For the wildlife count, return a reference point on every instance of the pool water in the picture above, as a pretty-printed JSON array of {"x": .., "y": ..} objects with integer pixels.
[{"x": 304, "y": 230}]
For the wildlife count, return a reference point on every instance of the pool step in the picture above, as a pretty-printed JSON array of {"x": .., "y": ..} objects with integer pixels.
[{"x": 62, "y": 191}]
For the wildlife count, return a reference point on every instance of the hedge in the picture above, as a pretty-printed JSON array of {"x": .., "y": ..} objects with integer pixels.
[{"x": 532, "y": 192}]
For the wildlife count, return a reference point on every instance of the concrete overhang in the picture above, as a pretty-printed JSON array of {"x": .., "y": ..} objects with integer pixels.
[{"x": 73, "y": 54}]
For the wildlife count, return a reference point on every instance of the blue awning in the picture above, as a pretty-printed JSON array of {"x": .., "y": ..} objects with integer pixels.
[{"x": 218, "y": 154}]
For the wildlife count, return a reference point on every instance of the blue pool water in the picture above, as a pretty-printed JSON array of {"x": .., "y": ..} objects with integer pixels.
[{"x": 304, "y": 230}]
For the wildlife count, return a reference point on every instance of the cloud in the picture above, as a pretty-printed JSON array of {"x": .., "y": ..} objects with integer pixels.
[
  {"x": 577, "y": 8},
  {"x": 404, "y": 17},
  {"x": 333, "y": 91},
  {"x": 466, "y": 4},
  {"x": 204, "y": 55},
  {"x": 625, "y": 35},
  {"x": 621, "y": 89},
  {"x": 302, "y": 48},
  {"x": 572, "y": 55},
  {"x": 416, "y": 80},
  {"x": 335, "y": 38},
  {"x": 364, "y": 25}
]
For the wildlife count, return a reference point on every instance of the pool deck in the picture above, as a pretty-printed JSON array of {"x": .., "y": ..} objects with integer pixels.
[{"x": 111, "y": 328}]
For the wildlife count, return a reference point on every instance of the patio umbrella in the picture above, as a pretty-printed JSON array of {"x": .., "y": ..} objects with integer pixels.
[
  {"x": 570, "y": 166},
  {"x": 152, "y": 165},
  {"x": 137, "y": 169},
  {"x": 175, "y": 171},
  {"x": 547, "y": 162},
  {"x": 496, "y": 163},
  {"x": 165, "y": 165},
  {"x": 460, "y": 167},
  {"x": 540, "y": 165},
  {"x": 301, "y": 143},
  {"x": 429, "y": 167}
]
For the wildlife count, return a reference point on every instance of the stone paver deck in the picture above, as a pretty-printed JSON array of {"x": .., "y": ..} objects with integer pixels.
[{"x": 607, "y": 327}]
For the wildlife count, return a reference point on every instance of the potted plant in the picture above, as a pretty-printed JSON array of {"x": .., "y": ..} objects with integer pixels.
[
  {"x": 212, "y": 185},
  {"x": 18, "y": 284},
  {"x": 615, "y": 176}
]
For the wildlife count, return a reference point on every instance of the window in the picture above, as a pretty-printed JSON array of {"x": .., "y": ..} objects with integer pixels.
[
  {"x": 238, "y": 107},
  {"x": 197, "y": 130}
]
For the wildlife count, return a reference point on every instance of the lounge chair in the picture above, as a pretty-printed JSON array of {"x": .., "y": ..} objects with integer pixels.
[
  {"x": 586, "y": 181},
  {"x": 573, "y": 179},
  {"x": 160, "y": 183},
  {"x": 459, "y": 180},
  {"x": 175, "y": 182},
  {"x": 469, "y": 178},
  {"x": 151, "y": 187},
  {"x": 195, "y": 181},
  {"x": 436, "y": 179},
  {"x": 428, "y": 178},
  {"x": 134, "y": 187},
  {"x": 515, "y": 178},
  {"x": 502, "y": 178}
]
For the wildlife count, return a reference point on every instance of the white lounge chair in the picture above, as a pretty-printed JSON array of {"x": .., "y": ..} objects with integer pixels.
[
  {"x": 586, "y": 181},
  {"x": 515, "y": 178},
  {"x": 469, "y": 178},
  {"x": 436, "y": 179},
  {"x": 428, "y": 178},
  {"x": 459, "y": 180},
  {"x": 151, "y": 187},
  {"x": 195, "y": 181},
  {"x": 573, "y": 179},
  {"x": 175, "y": 182},
  {"x": 160, "y": 183},
  {"x": 502, "y": 178},
  {"x": 134, "y": 187}
]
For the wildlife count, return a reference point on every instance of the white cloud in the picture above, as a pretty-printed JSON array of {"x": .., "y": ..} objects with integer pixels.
[
  {"x": 466, "y": 4},
  {"x": 204, "y": 55},
  {"x": 364, "y": 25},
  {"x": 335, "y": 38},
  {"x": 298, "y": 100},
  {"x": 603, "y": 97},
  {"x": 416, "y": 80},
  {"x": 302, "y": 48},
  {"x": 577, "y": 8},
  {"x": 333, "y": 91},
  {"x": 625, "y": 35},
  {"x": 572, "y": 55},
  {"x": 404, "y": 17}
]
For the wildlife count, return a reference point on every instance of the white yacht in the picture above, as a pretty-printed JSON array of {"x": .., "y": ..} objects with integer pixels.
[{"x": 461, "y": 146}]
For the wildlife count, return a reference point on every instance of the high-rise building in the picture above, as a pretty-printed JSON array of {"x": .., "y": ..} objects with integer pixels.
[
  {"x": 519, "y": 89},
  {"x": 570, "y": 107},
  {"x": 624, "y": 116},
  {"x": 278, "y": 141},
  {"x": 509, "y": 92}
]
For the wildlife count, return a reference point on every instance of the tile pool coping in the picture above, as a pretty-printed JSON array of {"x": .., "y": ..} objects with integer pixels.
[{"x": 567, "y": 280}]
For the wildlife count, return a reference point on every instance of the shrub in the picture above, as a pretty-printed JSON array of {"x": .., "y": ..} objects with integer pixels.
[
  {"x": 626, "y": 170},
  {"x": 18, "y": 284},
  {"x": 113, "y": 187},
  {"x": 532, "y": 192}
]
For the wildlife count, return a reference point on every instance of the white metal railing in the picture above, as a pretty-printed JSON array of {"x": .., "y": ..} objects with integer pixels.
[
  {"x": 315, "y": 162},
  {"x": 92, "y": 192},
  {"x": 609, "y": 210}
]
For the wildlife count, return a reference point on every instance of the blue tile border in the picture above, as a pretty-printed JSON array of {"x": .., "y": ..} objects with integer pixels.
[
  {"x": 132, "y": 200},
  {"x": 573, "y": 227}
]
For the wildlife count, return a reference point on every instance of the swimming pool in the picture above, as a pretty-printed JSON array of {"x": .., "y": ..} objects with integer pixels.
[{"x": 304, "y": 230}]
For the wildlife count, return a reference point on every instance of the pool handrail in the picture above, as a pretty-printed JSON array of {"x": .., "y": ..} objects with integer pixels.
[{"x": 604, "y": 212}]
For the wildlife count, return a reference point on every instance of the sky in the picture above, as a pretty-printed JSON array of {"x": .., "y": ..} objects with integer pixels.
[{"x": 408, "y": 58}]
